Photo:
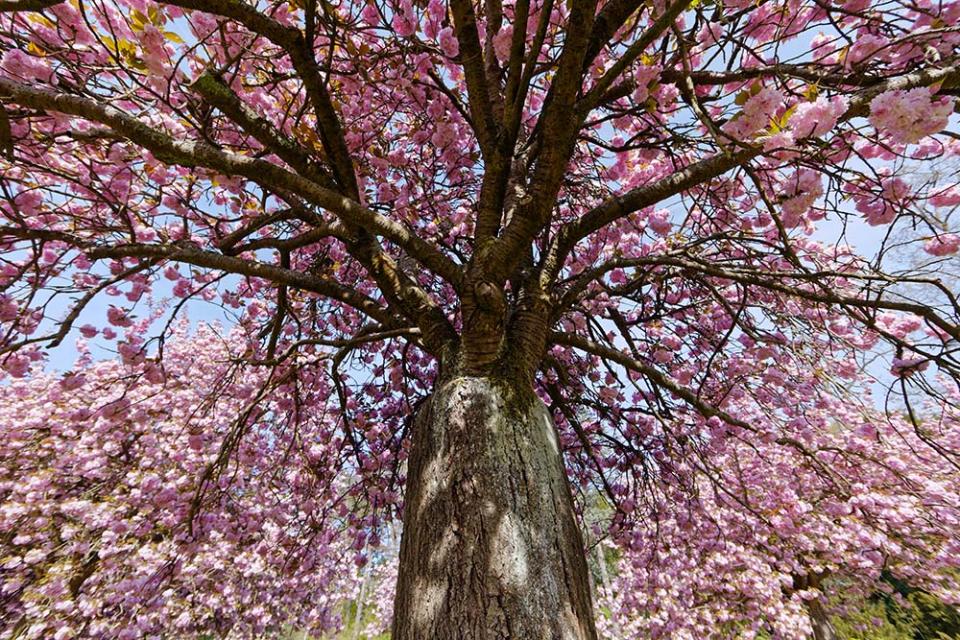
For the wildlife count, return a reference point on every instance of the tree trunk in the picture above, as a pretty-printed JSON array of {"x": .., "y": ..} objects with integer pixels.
[
  {"x": 820, "y": 621},
  {"x": 358, "y": 614},
  {"x": 490, "y": 546},
  {"x": 602, "y": 565}
]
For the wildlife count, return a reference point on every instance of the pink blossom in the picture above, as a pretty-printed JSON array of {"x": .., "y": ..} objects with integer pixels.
[
  {"x": 906, "y": 367},
  {"x": 404, "y": 20},
  {"x": 659, "y": 222},
  {"x": 895, "y": 194},
  {"x": 88, "y": 331},
  {"x": 448, "y": 42},
  {"x": 865, "y": 46},
  {"x": 17, "y": 365},
  {"x": 118, "y": 317},
  {"x": 756, "y": 113},
  {"x": 814, "y": 119},
  {"x": 907, "y": 116},
  {"x": 370, "y": 14},
  {"x": 948, "y": 197},
  {"x": 801, "y": 192},
  {"x": 778, "y": 141},
  {"x": 502, "y": 42},
  {"x": 155, "y": 54},
  {"x": 944, "y": 244},
  {"x": 9, "y": 309},
  {"x": 20, "y": 64},
  {"x": 710, "y": 33}
]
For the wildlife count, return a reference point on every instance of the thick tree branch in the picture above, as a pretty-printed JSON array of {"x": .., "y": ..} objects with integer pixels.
[
  {"x": 609, "y": 20},
  {"x": 620, "y": 206},
  {"x": 515, "y": 63},
  {"x": 479, "y": 92},
  {"x": 227, "y": 242},
  {"x": 304, "y": 239},
  {"x": 301, "y": 55},
  {"x": 558, "y": 126},
  {"x": 48, "y": 235},
  {"x": 221, "y": 96},
  {"x": 27, "y": 5},
  {"x": 663, "y": 22},
  {"x": 517, "y": 97},
  {"x": 705, "y": 170},
  {"x": 189, "y": 153},
  {"x": 210, "y": 260}
]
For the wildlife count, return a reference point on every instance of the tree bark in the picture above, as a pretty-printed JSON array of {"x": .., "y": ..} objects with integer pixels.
[
  {"x": 490, "y": 548},
  {"x": 820, "y": 621},
  {"x": 358, "y": 613}
]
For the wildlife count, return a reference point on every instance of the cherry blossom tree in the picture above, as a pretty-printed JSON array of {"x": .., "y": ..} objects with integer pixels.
[
  {"x": 778, "y": 531},
  {"x": 489, "y": 258},
  {"x": 102, "y": 473}
]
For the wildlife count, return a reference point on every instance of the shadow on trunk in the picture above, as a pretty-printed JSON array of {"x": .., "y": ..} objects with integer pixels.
[{"x": 491, "y": 546}]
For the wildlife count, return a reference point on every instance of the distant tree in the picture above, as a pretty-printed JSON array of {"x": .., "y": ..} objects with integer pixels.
[{"x": 102, "y": 475}]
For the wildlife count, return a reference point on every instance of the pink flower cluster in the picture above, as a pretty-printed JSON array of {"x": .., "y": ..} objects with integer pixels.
[
  {"x": 817, "y": 118},
  {"x": 20, "y": 64},
  {"x": 801, "y": 191},
  {"x": 882, "y": 206},
  {"x": 699, "y": 286},
  {"x": 755, "y": 114},
  {"x": 702, "y": 559},
  {"x": 908, "y": 116},
  {"x": 943, "y": 244},
  {"x": 100, "y": 473}
]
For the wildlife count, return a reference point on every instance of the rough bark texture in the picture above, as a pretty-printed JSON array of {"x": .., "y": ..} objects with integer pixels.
[{"x": 490, "y": 548}]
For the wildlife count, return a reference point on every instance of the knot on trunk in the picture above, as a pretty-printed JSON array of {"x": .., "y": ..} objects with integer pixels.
[{"x": 484, "y": 321}]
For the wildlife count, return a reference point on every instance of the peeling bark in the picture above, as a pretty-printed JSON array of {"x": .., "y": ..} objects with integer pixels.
[{"x": 491, "y": 547}]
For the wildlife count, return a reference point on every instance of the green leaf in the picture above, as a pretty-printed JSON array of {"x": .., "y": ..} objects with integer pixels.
[
  {"x": 779, "y": 124},
  {"x": 137, "y": 20}
]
